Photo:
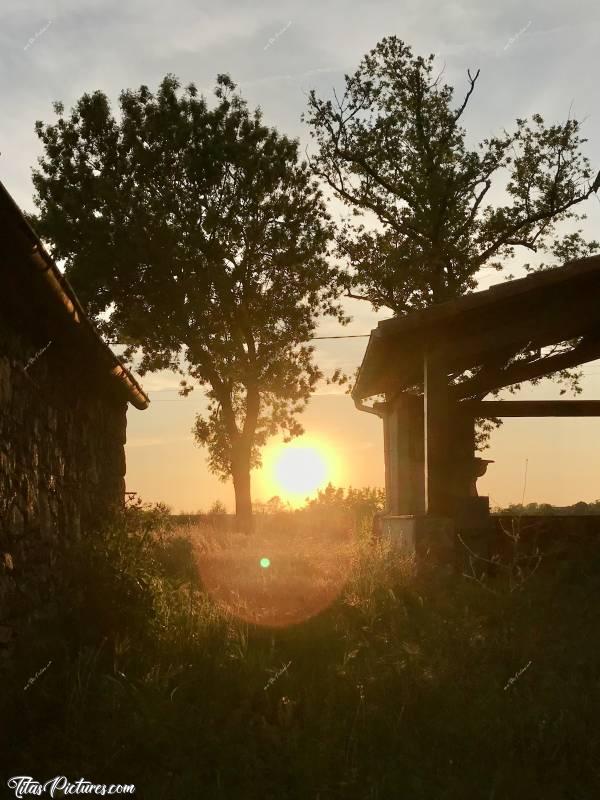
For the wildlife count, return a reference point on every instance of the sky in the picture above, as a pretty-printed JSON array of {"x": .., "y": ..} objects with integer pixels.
[{"x": 533, "y": 56}]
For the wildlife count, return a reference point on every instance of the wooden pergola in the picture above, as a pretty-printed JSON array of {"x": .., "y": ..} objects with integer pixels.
[{"x": 434, "y": 368}]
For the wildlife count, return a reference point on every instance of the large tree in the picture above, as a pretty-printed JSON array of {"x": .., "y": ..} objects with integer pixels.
[
  {"x": 393, "y": 147},
  {"x": 194, "y": 234}
]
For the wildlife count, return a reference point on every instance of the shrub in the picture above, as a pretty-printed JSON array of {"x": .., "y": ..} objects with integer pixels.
[
  {"x": 360, "y": 504},
  {"x": 407, "y": 684}
]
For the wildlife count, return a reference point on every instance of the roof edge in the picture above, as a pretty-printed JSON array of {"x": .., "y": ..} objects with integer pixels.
[
  {"x": 60, "y": 287},
  {"x": 434, "y": 317}
]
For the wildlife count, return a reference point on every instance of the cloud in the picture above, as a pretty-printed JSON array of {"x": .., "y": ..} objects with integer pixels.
[{"x": 112, "y": 45}]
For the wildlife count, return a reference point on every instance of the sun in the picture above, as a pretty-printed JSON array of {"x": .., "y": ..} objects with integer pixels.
[{"x": 300, "y": 469}]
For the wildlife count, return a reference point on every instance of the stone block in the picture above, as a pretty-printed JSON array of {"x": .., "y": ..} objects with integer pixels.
[
  {"x": 61, "y": 462},
  {"x": 426, "y": 538},
  {"x": 400, "y": 532}
]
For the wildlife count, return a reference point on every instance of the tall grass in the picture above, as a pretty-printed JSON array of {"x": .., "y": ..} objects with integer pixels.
[{"x": 183, "y": 666}]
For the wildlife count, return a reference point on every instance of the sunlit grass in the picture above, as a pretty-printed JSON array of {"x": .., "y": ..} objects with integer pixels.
[
  {"x": 283, "y": 574},
  {"x": 394, "y": 688}
]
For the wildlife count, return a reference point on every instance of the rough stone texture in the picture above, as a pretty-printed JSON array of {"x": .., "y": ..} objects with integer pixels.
[{"x": 62, "y": 462}]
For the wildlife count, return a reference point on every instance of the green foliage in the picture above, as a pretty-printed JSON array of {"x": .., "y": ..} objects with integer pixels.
[
  {"x": 197, "y": 236},
  {"x": 274, "y": 505},
  {"x": 217, "y": 508},
  {"x": 363, "y": 503},
  {"x": 425, "y": 685},
  {"x": 394, "y": 149},
  {"x": 546, "y": 509},
  {"x": 114, "y": 584},
  {"x": 394, "y": 146}
]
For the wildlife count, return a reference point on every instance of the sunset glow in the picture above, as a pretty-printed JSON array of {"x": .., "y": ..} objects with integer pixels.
[{"x": 298, "y": 470}]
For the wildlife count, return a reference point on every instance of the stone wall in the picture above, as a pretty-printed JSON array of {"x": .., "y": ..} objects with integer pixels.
[{"x": 62, "y": 461}]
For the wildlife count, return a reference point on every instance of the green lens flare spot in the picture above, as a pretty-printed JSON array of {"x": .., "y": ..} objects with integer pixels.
[{"x": 265, "y": 562}]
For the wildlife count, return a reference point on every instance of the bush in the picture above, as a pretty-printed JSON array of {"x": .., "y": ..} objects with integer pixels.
[{"x": 360, "y": 504}]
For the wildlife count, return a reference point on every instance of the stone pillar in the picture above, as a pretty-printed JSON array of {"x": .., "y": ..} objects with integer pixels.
[
  {"x": 403, "y": 449},
  {"x": 437, "y": 438},
  {"x": 463, "y": 453},
  {"x": 404, "y": 484}
]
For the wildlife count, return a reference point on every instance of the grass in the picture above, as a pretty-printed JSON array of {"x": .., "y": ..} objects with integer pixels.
[{"x": 181, "y": 665}]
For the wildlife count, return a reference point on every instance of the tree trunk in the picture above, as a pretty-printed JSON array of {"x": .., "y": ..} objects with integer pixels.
[{"x": 240, "y": 472}]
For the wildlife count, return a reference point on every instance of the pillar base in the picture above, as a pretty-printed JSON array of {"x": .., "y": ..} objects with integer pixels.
[
  {"x": 426, "y": 538},
  {"x": 400, "y": 532}
]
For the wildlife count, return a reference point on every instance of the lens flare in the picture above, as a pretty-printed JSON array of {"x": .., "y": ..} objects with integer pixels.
[
  {"x": 310, "y": 561},
  {"x": 312, "y": 551}
]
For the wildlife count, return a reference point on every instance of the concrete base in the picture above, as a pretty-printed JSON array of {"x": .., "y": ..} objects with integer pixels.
[
  {"x": 400, "y": 532},
  {"x": 422, "y": 537}
]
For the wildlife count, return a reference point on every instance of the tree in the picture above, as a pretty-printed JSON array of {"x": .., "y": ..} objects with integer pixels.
[
  {"x": 363, "y": 504},
  {"x": 394, "y": 150},
  {"x": 197, "y": 237}
]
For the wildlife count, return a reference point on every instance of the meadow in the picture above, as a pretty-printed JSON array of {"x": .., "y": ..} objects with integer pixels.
[{"x": 307, "y": 661}]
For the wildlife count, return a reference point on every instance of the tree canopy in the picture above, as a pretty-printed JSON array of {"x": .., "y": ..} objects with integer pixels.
[
  {"x": 195, "y": 235},
  {"x": 428, "y": 211},
  {"x": 394, "y": 149}
]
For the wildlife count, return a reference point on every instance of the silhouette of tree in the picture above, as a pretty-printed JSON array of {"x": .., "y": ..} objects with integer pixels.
[
  {"x": 393, "y": 148},
  {"x": 197, "y": 237}
]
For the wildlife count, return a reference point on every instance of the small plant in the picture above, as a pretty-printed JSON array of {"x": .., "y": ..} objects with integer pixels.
[
  {"x": 155, "y": 680},
  {"x": 361, "y": 505},
  {"x": 517, "y": 564}
]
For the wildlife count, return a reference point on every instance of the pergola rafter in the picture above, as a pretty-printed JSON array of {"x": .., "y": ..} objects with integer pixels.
[
  {"x": 588, "y": 349},
  {"x": 429, "y": 417}
]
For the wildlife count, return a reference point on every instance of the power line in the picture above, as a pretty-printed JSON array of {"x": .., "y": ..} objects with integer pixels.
[
  {"x": 350, "y": 336},
  {"x": 310, "y": 339}
]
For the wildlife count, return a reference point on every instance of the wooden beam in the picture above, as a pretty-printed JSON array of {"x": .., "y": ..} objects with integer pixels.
[
  {"x": 587, "y": 350},
  {"x": 542, "y": 321},
  {"x": 436, "y": 434},
  {"x": 532, "y": 408}
]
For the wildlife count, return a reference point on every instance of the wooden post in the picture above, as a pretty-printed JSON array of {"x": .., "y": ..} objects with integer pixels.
[
  {"x": 403, "y": 431},
  {"x": 390, "y": 426},
  {"x": 437, "y": 440},
  {"x": 462, "y": 453}
]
